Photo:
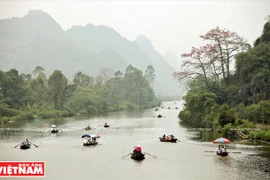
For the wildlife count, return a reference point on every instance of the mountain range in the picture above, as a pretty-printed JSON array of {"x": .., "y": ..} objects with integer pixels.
[{"x": 36, "y": 39}]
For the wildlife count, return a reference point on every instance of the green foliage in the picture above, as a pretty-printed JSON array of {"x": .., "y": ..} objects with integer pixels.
[
  {"x": 226, "y": 130},
  {"x": 201, "y": 102},
  {"x": 23, "y": 116},
  {"x": 226, "y": 115},
  {"x": 260, "y": 135},
  {"x": 57, "y": 86},
  {"x": 22, "y": 97},
  {"x": 6, "y": 111},
  {"x": 258, "y": 113},
  {"x": 243, "y": 123},
  {"x": 12, "y": 91},
  {"x": 265, "y": 37}
]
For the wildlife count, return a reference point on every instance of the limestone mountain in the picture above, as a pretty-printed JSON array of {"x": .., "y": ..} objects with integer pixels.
[
  {"x": 36, "y": 39},
  {"x": 165, "y": 82}
]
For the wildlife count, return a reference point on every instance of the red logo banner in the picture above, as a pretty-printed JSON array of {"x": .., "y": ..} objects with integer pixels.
[{"x": 22, "y": 168}]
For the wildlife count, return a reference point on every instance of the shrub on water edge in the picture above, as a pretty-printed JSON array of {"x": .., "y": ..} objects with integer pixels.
[
  {"x": 260, "y": 135},
  {"x": 64, "y": 113},
  {"x": 4, "y": 120}
]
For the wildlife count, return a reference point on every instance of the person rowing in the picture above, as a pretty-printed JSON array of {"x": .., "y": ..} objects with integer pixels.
[
  {"x": 219, "y": 150},
  {"x": 137, "y": 150}
]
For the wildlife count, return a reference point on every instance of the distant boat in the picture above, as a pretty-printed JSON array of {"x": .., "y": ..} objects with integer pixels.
[
  {"x": 168, "y": 140},
  {"x": 25, "y": 145},
  {"x": 88, "y": 128},
  {"x": 106, "y": 125},
  {"x": 89, "y": 140},
  {"x": 54, "y": 129}
]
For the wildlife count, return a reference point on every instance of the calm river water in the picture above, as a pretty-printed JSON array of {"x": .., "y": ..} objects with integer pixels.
[{"x": 66, "y": 158}]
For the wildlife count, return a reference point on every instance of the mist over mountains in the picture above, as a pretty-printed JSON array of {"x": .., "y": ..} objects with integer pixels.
[{"x": 36, "y": 39}]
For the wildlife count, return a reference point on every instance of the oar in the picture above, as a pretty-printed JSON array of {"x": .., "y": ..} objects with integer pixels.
[
  {"x": 17, "y": 145},
  {"x": 210, "y": 151},
  {"x": 235, "y": 152},
  {"x": 34, "y": 144},
  {"x": 150, "y": 155},
  {"x": 178, "y": 140},
  {"x": 126, "y": 155}
]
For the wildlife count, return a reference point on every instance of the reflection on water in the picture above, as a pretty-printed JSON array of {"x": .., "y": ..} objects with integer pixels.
[{"x": 66, "y": 157}]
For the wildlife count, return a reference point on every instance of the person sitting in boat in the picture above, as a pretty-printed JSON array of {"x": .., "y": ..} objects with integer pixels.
[
  {"x": 171, "y": 136},
  {"x": 219, "y": 149},
  {"x": 164, "y": 136},
  {"x": 137, "y": 150},
  {"x": 94, "y": 139},
  {"x": 167, "y": 138},
  {"x": 224, "y": 149},
  {"x": 26, "y": 141}
]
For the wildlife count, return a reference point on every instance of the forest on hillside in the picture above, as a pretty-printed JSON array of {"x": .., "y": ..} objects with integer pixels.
[
  {"x": 223, "y": 97},
  {"x": 27, "y": 96}
]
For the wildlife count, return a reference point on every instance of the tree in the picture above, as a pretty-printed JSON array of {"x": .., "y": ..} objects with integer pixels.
[
  {"x": 150, "y": 74},
  {"x": 198, "y": 104},
  {"x": 83, "y": 100},
  {"x": 57, "y": 87},
  {"x": 104, "y": 75},
  {"x": 226, "y": 115},
  {"x": 199, "y": 62},
  {"x": 39, "y": 71},
  {"x": 228, "y": 44},
  {"x": 12, "y": 89},
  {"x": 39, "y": 91},
  {"x": 118, "y": 74},
  {"x": 83, "y": 80}
]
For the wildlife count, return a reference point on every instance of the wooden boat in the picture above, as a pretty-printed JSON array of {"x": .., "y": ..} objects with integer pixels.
[
  {"x": 170, "y": 140},
  {"x": 159, "y": 116},
  {"x": 25, "y": 145},
  {"x": 138, "y": 157},
  {"x": 223, "y": 153},
  {"x": 90, "y": 143},
  {"x": 106, "y": 125},
  {"x": 88, "y": 128},
  {"x": 90, "y": 140}
]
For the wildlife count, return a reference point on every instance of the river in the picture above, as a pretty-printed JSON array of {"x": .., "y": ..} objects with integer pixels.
[{"x": 66, "y": 158}]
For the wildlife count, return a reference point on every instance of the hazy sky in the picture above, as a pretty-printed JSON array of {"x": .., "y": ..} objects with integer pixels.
[{"x": 170, "y": 25}]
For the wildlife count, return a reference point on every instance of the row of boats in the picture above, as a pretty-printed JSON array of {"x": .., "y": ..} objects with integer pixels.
[
  {"x": 91, "y": 140},
  {"x": 54, "y": 129}
]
